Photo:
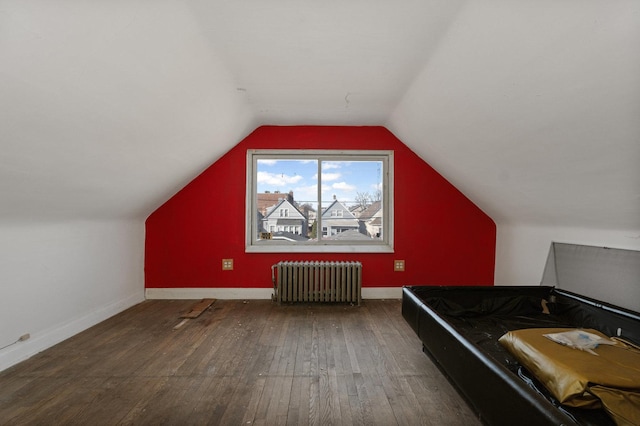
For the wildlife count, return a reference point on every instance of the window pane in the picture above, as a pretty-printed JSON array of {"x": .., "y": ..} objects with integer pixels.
[
  {"x": 287, "y": 199},
  {"x": 352, "y": 200}
]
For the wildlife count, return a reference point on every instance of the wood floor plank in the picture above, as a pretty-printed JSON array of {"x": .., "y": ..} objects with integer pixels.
[
  {"x": 197, "y": 309},
  {"x": 253, "y": 362}
]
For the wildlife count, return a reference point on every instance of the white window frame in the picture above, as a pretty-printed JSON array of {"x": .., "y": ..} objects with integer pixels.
[{"x": 253, "y": 245}]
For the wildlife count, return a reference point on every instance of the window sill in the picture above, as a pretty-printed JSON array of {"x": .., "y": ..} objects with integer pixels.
[{"x": 273, "y": 248}]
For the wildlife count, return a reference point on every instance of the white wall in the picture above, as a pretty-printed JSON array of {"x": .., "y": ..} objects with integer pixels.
[
  {"x": 521, "y": 250},
  {"x": 57, "y": 279}
]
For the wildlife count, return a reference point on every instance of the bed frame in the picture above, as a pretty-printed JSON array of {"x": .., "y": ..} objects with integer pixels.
[{"x": 459, "y": 328}]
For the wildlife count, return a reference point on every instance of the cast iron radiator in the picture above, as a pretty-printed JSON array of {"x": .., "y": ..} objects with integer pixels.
[{"x": 316, "y": 281}]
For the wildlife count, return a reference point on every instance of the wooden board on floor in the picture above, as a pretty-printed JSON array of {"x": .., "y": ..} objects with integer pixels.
[{"x": 198, "y": 308}]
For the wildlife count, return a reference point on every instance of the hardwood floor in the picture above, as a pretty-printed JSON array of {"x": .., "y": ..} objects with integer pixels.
[{"x": 237, "y": 364}]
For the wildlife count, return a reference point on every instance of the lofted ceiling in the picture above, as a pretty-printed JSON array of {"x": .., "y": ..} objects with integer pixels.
[{"x": 531, "y": 108}]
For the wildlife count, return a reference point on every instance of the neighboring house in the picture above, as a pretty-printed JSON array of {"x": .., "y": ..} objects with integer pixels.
[
  {"x": 337, "y": 219},
  {"x": 284, "y": 217},
  {"x": 309, "y": 212},
  {"x": 265, "y": 200},
  {"x": 357, "y": 210},
  {"x": 371, "y": 220}
]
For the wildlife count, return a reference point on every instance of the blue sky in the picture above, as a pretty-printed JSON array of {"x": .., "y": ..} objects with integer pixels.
[{"x": 344, "y": 179}]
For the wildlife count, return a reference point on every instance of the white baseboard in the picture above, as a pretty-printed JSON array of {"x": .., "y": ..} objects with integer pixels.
[
  {"x": 44, "y": 339},
  {"x": 252, "y": 293},
  {"x": 209, "y": 293},
  {"x": 382, "y": 292}
]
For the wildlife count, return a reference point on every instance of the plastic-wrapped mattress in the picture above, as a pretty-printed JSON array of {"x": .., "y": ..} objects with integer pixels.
[
  {"x": 582, "y": 368},
  {"x": 460, "y": 327}
]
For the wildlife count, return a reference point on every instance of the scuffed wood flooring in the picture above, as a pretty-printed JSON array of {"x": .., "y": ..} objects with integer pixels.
[{"x": 239, "y": 363}]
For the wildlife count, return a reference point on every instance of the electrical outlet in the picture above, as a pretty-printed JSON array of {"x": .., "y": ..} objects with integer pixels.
[
  {"x": 398, "y": 265},
  {"x": 227, "y": 264}
]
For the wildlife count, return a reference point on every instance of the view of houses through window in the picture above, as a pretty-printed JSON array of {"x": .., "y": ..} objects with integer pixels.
[{"x": 319, "y": 198}]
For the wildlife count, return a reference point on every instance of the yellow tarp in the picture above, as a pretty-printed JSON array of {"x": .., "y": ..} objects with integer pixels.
[{"x": 610, "y": 379}]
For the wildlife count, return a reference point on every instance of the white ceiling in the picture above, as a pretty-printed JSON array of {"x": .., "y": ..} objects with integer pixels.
[{"x": 530, "y": 107}]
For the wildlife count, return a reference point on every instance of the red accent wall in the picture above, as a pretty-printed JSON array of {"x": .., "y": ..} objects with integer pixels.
[{"x": 442, "y": 236}]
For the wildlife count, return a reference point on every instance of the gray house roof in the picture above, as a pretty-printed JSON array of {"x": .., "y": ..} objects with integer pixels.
[
  {"x": 351, "y": 235},
  {"x": 287, "y": 204},
  {"x": 371, "y": 210},
  {"x": 281, "y": 235},
  {"x": 337, "y": 206}
]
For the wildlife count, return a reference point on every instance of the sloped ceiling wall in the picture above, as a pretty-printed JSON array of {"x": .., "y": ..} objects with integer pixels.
[
  {"x": 533, "y": 108},
  {"x": 530, "y": 108},
  {"x": 107, "y": 108}
]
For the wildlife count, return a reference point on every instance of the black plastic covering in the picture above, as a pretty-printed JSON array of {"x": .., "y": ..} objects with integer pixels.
[{"x": 460, "y": 326}]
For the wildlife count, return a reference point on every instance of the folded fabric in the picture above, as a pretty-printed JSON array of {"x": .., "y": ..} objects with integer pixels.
[{"x": 576, "y": 377}]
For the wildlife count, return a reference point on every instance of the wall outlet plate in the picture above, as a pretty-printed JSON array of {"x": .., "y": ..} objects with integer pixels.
[
  {"x": 398, "y": 265},
  {"x": 227, "y": 264}
]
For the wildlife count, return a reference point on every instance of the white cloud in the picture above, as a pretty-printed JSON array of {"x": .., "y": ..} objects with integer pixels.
[
  {"x": 277, "y": 179},
  {"x": 306, "y": 194},
  {"x": 344, "y": 186},
  {"x": 328, "y": 165},
  {"x": 327, "y": 177}
]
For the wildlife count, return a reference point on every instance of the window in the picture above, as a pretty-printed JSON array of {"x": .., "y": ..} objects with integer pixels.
[{"x": 319, "y": 201}]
